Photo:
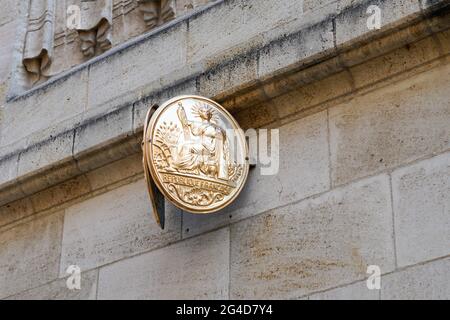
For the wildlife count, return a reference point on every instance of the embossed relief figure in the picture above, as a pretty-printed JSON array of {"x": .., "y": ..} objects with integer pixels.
[{"x": 203, "y": 147}]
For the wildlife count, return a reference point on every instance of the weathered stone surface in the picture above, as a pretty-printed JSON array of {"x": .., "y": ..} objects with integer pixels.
[
  {"x": 235, "y": 22},
  {"x": 312, "y": 5},
  {"x": 313, "y": 94},
  {"x": 391, "y": 126},
  {"x": 58, "y": 102},
  {"x": 116, "y": 172},
  {"x": 197, "y": 268},
  {"x": 302, "y": 78},
  {"x": 428, "y": 4},
  {"x": 259, "y": 116},
  {"x": 232, "y": 76},
  {"x": 174, "y": 78},
  {"x": 395, "y": 62},
  {"x": 60, "y": 193},
  {"x": 137, "y": 69},
  {"x": 48, "y": 153},
  {"x": 113, "y": 226},
  {"x": 7, "y": 34},
  {"x": 315, "y": 244},
  {"x": 109, "y": 227},
  {"x": 316, "y": 12},
  {"x": 421, "y": 195},
  {"x": 140, "y": 109},
  {"x": 106, "y": 128},
  {"x": 16, "y": 210},
  {"x": 57, "y": 290},
  {"x": 10, "y": 193},
  {"x": 185, "y": 6},
  {"x": 303, "y": 171},
  {"x": 355, "y": 291},
  {"x": 444, "y": 41},
  {"x": 3, "y": 90},
  {"x": 116, "y": 148},
  {"x": 8, "y": 168},
  {"x": 352, "y": 23},
  {"x": 297, "y": 48},
  {"x": 29, "y": 254},
  {"x": 9, "y": 11},
  {"x": 422, "y": 282}
]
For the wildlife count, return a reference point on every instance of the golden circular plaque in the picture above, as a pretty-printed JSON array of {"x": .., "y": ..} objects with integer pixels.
[{"x": 196, "y": 154}]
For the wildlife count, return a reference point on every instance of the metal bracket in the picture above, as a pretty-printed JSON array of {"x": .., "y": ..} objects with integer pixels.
[{"x": 156, "y": 197}]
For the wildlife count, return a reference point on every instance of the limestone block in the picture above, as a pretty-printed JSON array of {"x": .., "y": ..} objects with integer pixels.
[
  {"x": 313, "y": 5},
  {"x": 9, "y": 11},
  {"x": 444, "y": 40},
  {"x": 3, "y": 92},
  {"x": 296, "y": 49},
  {"x": 315, "y": 244},
  {"x": 8, "y": 168},
  {"x": 355, "y": 291},
  {"x": 58, "y": 102},
  {"x": 116, "y": 171},
  {"x": 351, "y": 24},
  {"x": 7, "y": 38},
  {"x": 188, "y": 87},
  {"x": 185, "y": 6},
  {"x": 48, "y": 153},
  {"x": 113, "y": 226},
  {"x": 47, "y": 164},
  {"x": 422, "y": 282},
  {"x": 138, "y": 69},
  {"x": 313, "y": 94},
  {"x": 391, "y": 126},
  {"x": 395, "y": 62},
  {"x": 57, "y": 290},
  {"x": 302, "y": 77},
  {"x": 60, "y": 193},
  {"x": 29, "y": 254},
  {"x": 231, "y": 77},
  {"x": 257, "y": 116},
  {"x": 16, "y": 210},
  {"x": 99, "y": 131},
  {"x": 235, "y": 22},
  {"x": 303, "y": 172},
  {"x": 429, "y": 4},
  {"x": 197, "y": 268},
  {"x": 421, "y": 195},
  {"x": 116, "y": 148}
]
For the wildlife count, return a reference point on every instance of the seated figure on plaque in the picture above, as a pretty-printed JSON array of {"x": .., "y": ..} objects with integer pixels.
[{"x": 203, "y": 147}]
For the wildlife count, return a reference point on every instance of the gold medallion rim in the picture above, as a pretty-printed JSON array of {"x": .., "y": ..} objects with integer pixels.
[{"x": 154, "y": 174}]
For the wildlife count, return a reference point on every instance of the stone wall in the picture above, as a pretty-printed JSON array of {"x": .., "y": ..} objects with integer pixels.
[
  {"x": 364, "y": 161},
  {"x": 50, "y": 37},
  {"x": 8, "y": 26}
]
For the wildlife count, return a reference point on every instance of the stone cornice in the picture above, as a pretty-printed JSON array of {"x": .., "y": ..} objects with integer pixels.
[{"x": 256, "y": 70}]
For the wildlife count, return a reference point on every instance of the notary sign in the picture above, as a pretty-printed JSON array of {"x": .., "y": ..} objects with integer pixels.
[{"x": 195, "y": 155}]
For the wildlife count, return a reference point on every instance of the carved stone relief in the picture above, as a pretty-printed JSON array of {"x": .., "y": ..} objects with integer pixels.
[
  {"x": 51, "y": 47},
  {"x": 39, "y": 42},
  {"x": 95, "y": 26},
  {"x": 156, "y": 12}
]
